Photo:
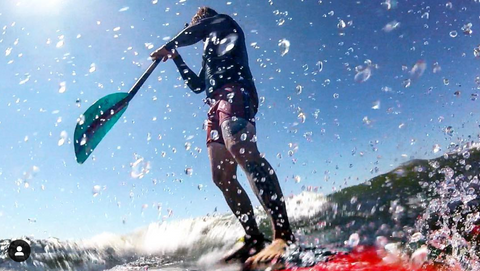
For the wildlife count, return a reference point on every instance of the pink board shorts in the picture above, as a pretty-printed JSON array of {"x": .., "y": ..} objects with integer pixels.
[{"x": 229, "y": 102}]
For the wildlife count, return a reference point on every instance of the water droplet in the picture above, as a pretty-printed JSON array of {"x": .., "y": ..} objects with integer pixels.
[
  {"x": 320, "y": 66},
  {"x": 299, "y": 89},
  {"x": 418, "y": 69},
  {"x": 200, "y": 187},
  {"x": 446, "y": 82},
  {"x": 363, "y": 75},
  {"x": 139, "y": 168},
  {"x": 297, "y": 179},
  {"x": 354, "y": 240},
  {"x": 284, "y": 46},
  {"x": 243, "y": 137},
  {"x": 376, "y": 105},
  {"x": 93, "y": 68},
  {"x": 341, "y": 25},
  {"x": 62, "y": 87},
  {"x": 391, "y": 26},
  {"x": 336, "y": 95},
  {"x": 227, "y": 44},
  {"x": 476, "y": 51},
  {"x": 187, "y": 145},
  {"x": 63, "y": 138},
  {"x": 406, "y": 83},
  {"x": 123, "y": 9},
  {"x": 302, "y": 117},
  {"x": 244, "y": 218},
  {"x": 436, "y": 148},
  {"x": 366, "y": 120},
  {"x": 453, "y": 33},
  {"x": 96, "y": 190},
  {"x": 214, "y": 135},
  {"x": 419, "y": 257},
  {"x": 467, "y": 29},
  {"x": 242, "y": 150},
  {"x": 189, "y": 171},
  {"x": 60, "y": 44},
  {"x": 81, "y": 119},
  {"x": 230, "y": 97},
  {"x": 436, "y": 67}
]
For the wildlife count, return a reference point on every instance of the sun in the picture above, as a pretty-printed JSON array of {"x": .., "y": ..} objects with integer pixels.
[{"x": 40, "y": 6}]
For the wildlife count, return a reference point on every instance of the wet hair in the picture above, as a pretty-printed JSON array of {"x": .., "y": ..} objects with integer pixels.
[{"x": 202, "y": 13}]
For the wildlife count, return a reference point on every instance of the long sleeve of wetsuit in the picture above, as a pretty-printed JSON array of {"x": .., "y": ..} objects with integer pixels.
[
  {"x": 195, "y": 33},
  {"x": 195, "y": 82}
]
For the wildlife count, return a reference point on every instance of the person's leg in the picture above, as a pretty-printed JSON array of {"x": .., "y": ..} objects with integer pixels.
[
  {"x": 239, "y": 135},
  {"x": 224, "y": 169}
]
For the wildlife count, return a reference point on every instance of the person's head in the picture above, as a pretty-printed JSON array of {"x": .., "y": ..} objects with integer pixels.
[{"x": 202, "y": 13}]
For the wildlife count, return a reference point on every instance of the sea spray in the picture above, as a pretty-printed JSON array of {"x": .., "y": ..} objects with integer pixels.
[{"x": 380, "y": 213}]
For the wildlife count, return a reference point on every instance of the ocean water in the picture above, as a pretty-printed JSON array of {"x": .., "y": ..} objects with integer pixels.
[
  {"x": 368, "y": 113},
  {"x": 427, "y": 223}
]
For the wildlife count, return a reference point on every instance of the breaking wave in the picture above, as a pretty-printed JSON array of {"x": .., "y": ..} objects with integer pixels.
[{"x": 425, "y": 211}]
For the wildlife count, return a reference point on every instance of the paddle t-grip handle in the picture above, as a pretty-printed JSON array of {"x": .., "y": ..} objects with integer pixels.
[{"x": 142, "y": 80}]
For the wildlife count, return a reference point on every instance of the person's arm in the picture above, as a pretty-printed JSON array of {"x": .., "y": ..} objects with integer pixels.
[
  {"x": 191, "y": 35},
  {"x": 195, "y": 82},
  {"x": 195, "y": 33}
]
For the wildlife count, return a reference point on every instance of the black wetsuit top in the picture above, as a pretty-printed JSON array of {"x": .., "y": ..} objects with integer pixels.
[{"x": 225, "y": 58}]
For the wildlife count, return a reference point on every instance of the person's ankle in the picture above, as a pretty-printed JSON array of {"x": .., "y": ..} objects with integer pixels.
[
  {"x": 288, "y": 237},
  {"x": 257, "y": 237}
]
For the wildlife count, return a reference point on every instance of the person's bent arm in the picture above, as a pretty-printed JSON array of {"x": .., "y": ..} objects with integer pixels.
[
  {"x": 195, "y": 33},
  {"x": 195, "y": 82}
]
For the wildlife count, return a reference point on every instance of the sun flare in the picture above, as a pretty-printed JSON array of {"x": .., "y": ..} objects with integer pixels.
[{"x": 40, "y": 6}]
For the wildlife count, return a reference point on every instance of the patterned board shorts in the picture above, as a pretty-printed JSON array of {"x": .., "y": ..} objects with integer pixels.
[{"x": 229, "y": 102}]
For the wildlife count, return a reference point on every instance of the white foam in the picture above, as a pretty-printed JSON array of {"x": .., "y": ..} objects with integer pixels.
[
  {"x": 207, "y": 236},
  {"x": 305, "y": 206}
]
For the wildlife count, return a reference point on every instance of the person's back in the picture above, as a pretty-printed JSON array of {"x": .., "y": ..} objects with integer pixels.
[{"x": 225, "y": 57}]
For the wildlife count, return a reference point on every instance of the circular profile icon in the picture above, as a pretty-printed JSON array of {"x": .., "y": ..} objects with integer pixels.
[{"x": 19, "y": 251}]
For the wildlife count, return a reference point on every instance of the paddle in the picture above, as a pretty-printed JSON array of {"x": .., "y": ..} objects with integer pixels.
[{"x": 99, "y": 118}]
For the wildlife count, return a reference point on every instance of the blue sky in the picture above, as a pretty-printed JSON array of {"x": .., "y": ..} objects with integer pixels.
[{"x": 94, "y": 48}]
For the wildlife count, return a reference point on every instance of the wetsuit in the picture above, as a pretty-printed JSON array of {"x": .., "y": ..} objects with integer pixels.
[
  {"x": 225, "y": 74},
  {"x": 227, "y": 80}
]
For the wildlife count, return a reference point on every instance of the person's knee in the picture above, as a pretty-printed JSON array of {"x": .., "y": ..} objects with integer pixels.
[{"x": 218, "y": 178}]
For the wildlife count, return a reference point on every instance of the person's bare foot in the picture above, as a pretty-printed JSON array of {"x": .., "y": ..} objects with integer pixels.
[
  {"x": 241, "y": 253},
  {"x": 272, "y": 252}
]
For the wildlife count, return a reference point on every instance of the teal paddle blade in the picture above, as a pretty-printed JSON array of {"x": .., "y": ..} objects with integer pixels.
[{"x": 95, "y": 123}]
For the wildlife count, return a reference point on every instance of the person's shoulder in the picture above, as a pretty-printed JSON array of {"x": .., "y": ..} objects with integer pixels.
[{"x": 218, "y": 18}]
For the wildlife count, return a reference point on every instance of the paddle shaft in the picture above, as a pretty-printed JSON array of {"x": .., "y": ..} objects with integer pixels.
[{"x": 143, "y": 78}]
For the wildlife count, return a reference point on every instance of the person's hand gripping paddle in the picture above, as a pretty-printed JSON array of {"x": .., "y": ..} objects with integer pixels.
[{"x": 99, "y": 118}]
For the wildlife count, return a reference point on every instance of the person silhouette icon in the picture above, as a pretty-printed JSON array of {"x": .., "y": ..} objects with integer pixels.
[{"x": 19, "y": 252}]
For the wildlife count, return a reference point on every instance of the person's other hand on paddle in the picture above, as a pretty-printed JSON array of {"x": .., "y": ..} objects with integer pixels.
[{"x": 163, "y": 54}]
